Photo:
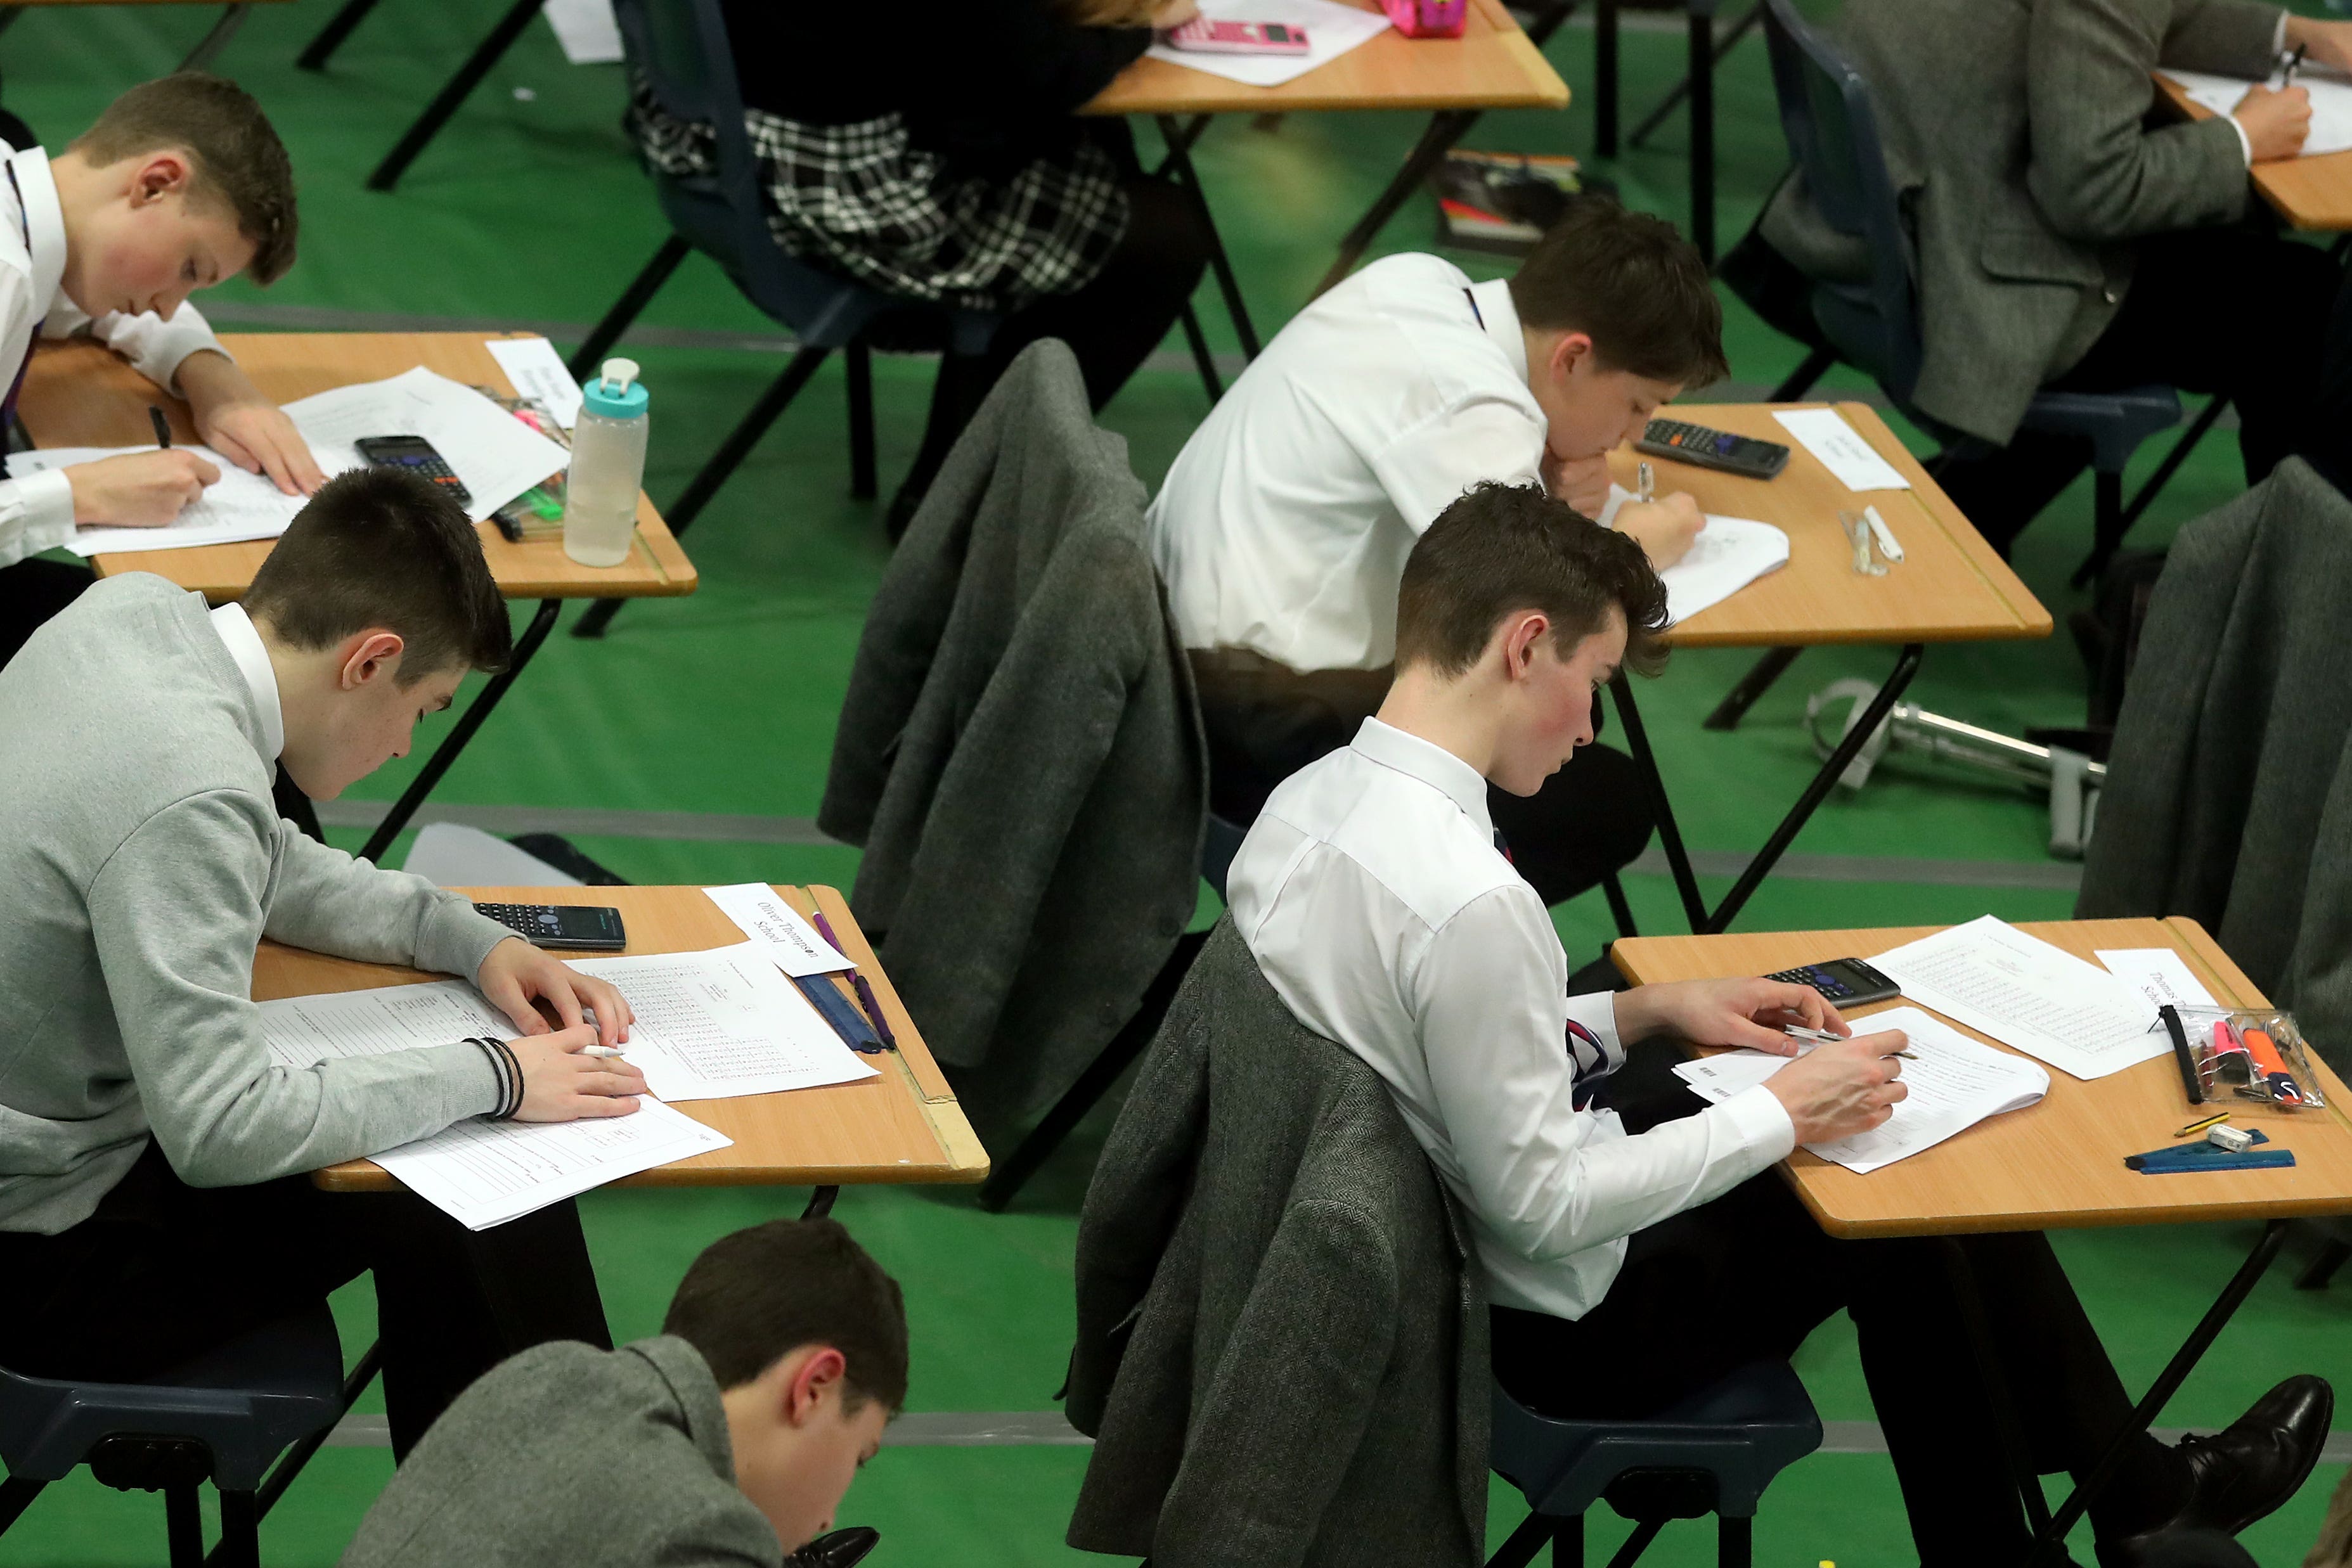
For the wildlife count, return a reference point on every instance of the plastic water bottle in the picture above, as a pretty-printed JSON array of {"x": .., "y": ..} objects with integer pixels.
[{"x": 608, "y": 467}]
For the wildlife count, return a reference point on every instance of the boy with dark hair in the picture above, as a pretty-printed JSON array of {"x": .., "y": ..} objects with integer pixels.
[
  {"x": 153, "y": 1196},
  {"x": 1285, "y": 521},
  {"x": 728, "y": 1440},
  {"x": 1633, "y": 1263},
  {"x": 180, "y": 184}
]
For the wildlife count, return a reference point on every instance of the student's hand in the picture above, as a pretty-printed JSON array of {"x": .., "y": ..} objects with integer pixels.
[
  {"x": 2328, "y": 43},
  {"x": 559, "y": 1084},
  {"x": 516, "y": 974},
  {"x": 1843, "y": 1087},
  {"x": 1748, "y": 1011},
  {"x": 138, "y": 490},
  {"x": 238, "y": 421},
  {"x": 1665, "y": 528},
  {"x": 1581, "y": 482},
  {"x": 2275, "y": 122}
]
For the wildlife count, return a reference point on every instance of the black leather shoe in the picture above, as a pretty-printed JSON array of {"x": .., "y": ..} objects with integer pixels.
[
  {"x": 2259, "y": 1460},
  {"x": 839, "y": 1550}
]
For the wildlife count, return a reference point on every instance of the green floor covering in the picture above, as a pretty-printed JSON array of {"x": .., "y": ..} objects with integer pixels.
[{"x": 529, "y": 209}]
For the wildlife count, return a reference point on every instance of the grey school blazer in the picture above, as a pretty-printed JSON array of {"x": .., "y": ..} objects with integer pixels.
[
  {"x": 570, "y": 1456},
  {"x": 2013, "y": 134}
]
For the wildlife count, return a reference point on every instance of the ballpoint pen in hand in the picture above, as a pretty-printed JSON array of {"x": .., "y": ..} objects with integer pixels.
[
  {"x": 2294, "y": 63},
  {"x": 163, "y": 427},
  {"x": 1646, "y": 480}
]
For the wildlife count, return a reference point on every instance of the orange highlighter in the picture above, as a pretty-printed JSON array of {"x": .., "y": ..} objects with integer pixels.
[{"x": 2269, "y": 1067}]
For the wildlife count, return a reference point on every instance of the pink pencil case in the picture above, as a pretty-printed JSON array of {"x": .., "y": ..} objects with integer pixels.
[{"x": 1428, "y": 18}]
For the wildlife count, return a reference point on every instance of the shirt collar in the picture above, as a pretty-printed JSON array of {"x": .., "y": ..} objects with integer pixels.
[
  {"x": 45, "y": 217},
  {"x": 235, "y": 629},
  {"x": 1501, "y": 320},
  {"x": 1432, "y": 764}
]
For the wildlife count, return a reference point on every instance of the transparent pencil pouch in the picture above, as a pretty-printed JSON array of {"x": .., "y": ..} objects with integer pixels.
[{"x": 2242, "y": 1053}]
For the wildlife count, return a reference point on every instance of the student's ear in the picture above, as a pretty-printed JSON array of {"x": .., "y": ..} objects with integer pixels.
[
  {"x": 806, "y": 1390},
  {"x": 1571, "y": 349},
  {"x": 370, "y": 656},
  {"x": 162, "y": 174},
  {"x": 1520, "y": 637}
]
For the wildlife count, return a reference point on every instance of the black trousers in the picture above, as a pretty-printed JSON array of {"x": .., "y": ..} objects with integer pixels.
[
  {"x": 1112, "y": 324},
  {"x": 1265, "y": 721},
  {"x": 2233, "y": 311},
  {"x": 1750, "y": 1275},
  {"x": 164, "y": 1271}
]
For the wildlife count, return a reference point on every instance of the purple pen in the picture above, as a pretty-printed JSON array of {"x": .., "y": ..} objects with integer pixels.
[{"x": 866, "y": 998}]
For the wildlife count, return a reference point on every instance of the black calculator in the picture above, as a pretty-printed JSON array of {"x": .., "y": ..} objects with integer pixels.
[
  {"x": 1741, "y": 455},
  {"x": 417, "y": 454},
  {"x": 579, "y": 927},
  {"x": 1846, "y": 982}
]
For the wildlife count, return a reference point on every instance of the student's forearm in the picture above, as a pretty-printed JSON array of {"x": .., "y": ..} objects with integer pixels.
[{"x": 331, "y": 903}]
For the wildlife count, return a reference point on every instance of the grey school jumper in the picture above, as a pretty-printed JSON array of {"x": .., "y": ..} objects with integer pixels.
[{"x": 142, "y": 860}]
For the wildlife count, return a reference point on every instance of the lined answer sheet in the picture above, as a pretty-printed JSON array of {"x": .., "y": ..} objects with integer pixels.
[
  {"x": 238, "y": 506},
  {"x": 2023, "y": 992},
  {"x": 710, "y": 1025},
  {"x": 1955, "y": 1083}
]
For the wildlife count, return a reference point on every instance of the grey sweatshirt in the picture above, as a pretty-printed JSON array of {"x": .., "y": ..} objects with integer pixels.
[{"x": 142, "y": 859}]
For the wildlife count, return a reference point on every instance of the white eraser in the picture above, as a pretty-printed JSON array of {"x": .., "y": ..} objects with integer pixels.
[{"x": 2230, "y": 1138}]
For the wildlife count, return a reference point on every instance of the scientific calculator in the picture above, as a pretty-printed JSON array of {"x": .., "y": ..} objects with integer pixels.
[
  {"x": 578, "y": 927},
  {"x": 1846, "y": 982},
  {"x": 1741, "y": 455},
  {"x": 417, "y": 454}
]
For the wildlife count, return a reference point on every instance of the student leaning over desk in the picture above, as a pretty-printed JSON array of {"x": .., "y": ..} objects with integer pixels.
[{"x": 180, "y": 184}]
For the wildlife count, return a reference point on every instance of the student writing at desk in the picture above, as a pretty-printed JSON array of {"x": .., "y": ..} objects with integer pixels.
[
  {"x": 1635, "y": 1258},
  {"x": 2061, "y": 242},
  {"x": 153, "y": 1199},
  {"x": 937, "y": 158},
  {"x": 1286, "y": 519},
  {"x": 180, "y": 184}
]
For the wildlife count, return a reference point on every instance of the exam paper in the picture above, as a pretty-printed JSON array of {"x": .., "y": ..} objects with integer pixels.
[
  {"x": 1332, "y": 31},
  {"x": 239, "y": 505},
  {"x": 538, "y": 371},
  {"x": 1955, "y": 1083},
  {"x": 496, "y": 456},
  {"x": 1825, "y": 432},
  {"x": 2023, "y": 992},
  {"x": 722, "y": 1023},
  {"x": 761, "y": 914},
  {"x": 1728, "y": 554},
  {"x": 480, "y": 1172},
  {"x": 2160, "y": 973},
  {"x": 2331, "y": 102}
]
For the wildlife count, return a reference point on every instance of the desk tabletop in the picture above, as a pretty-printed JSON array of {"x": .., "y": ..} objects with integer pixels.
[
  {"x": 1951, "y": 587},
  {"x": 79, "y": 394},
  {"x": 2058, "y": 1163},
  {"x": 2313, "y": 193},
  {"x": 904, "y": 1126},
  {"x": 1491, "y": 66}
]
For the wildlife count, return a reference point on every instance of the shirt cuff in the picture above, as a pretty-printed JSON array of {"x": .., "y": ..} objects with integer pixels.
[
  {"x": 44, "y": 516},
  {"x": 1598, "y": 1013},
  {"x": 1760, "y": 1123},
  {"x": 2278, "y": 35},
  {"x": 2245, "y": 143}
]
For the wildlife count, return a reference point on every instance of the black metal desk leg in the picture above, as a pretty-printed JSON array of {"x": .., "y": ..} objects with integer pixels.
[
  {"x": 1180, "y": 141},
  {"x": 820, "y": 1203},
  {"x": 1444, "y": 129},
  {"x": 1702, "y": 128},
  {"x": 209, "y": 46},
  {"x": 315, "y": 55},
  {"x": 446, "y": 753},
  {"x": 1604, "y": 79},
  {"x": 1670, "y": 833},
  {"x": 469, "y": 76},
  {"x": 1675, "y": 94}
]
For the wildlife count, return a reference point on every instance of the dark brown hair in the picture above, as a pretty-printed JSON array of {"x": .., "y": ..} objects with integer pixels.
[
  {"x": 376, "y": 547},
  {"x": 1502, "y": 548},
  {"x": 1632, "y": 284},
  {"x": 240, "y": 161},
  {"x": 756, "y": 1296}
]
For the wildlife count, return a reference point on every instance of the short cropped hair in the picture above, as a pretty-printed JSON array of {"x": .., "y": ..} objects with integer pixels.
[
  {"x": 1631, "y": 283},
  {"x": 1503, "y": 549},
  {"x": 756, "y": 1296},
  {"x": 380, "y": 547},
  {"x": 240, "y": 161}
]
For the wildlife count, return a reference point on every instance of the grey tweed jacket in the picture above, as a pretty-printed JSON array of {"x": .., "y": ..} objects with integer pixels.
[
  {"x": 570, "y": 1456},
  {"x": 2229, "y": 795},
  {"x": 2013, "y": 132},
  {"x": 1020, "y": 751},
  {"x": 1281, "y": 1345}
]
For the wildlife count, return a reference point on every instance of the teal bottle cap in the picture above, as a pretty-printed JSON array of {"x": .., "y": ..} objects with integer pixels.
[{"x": 616, "y": 393}]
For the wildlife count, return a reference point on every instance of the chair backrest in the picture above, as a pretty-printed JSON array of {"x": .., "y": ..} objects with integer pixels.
[{"x": 1833, "y": 134}]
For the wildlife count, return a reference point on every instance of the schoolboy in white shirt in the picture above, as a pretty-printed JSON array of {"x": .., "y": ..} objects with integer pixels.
[{"x": 1629, "y": 1270}]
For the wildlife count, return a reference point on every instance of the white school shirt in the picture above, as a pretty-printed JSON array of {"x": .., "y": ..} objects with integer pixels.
[
  {"x": 235, "y": 630},
  {"x": 37, "y": 511},
  {"x": 1283, "y": 525},
  {"x": 1374, "y": 899}
]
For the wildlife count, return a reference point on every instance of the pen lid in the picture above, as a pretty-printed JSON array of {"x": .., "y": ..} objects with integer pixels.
[{"x": 616, "y": 393}]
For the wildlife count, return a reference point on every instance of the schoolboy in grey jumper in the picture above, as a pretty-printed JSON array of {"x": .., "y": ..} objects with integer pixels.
[{"x": 153, "y": 1195}]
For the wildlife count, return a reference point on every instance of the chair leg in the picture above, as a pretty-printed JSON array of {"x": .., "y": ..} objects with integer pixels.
[
  {"x": 1619, "y": 910},
  {"x": 1525, "y": 1542},
  {"x": 857, "y": 361},
  {"x": 1567, "y": 1543},
  {"x": 16, "y": 1495},
  {"x": 1636, "y": 1543},
  {"x": 1753, "y": 685},
  {"x": 1211, "y": 382},
  {"x": 1735, "y": 1542},
  {"x": 723, "y": 462},
  {"x": 626, "y": 309},
  {"x": 184, "y": 1526},
  {"x": 2107, "y": 527},
  {"x": 1800, "y": 380},
  {"x": 2204, "y": 422},
  {"x": 2322, "y": 1268},
  {"x": 240, "y": 1541}
]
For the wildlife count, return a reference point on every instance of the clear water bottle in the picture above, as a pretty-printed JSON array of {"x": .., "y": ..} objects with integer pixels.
[{"x": 608, "y": 467}]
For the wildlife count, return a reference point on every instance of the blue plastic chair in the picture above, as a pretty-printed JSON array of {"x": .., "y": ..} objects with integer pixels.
[
  {"x": 1832, "y": 133},
  {"x": 1714, "y": 1453},
  {"x": 222, "y": 1417},
  {"x": 681, "y": 48}
]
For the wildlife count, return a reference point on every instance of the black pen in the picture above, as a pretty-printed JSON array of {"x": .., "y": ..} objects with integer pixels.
[
  {"x": 163, "y": 427},
  {"x": 2294, "y": 63}
]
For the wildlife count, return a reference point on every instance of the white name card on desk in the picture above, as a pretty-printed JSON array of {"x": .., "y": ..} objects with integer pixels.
[
  {"x": 795, "y": 945},
  {"x": 1825, "y": 432}
]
